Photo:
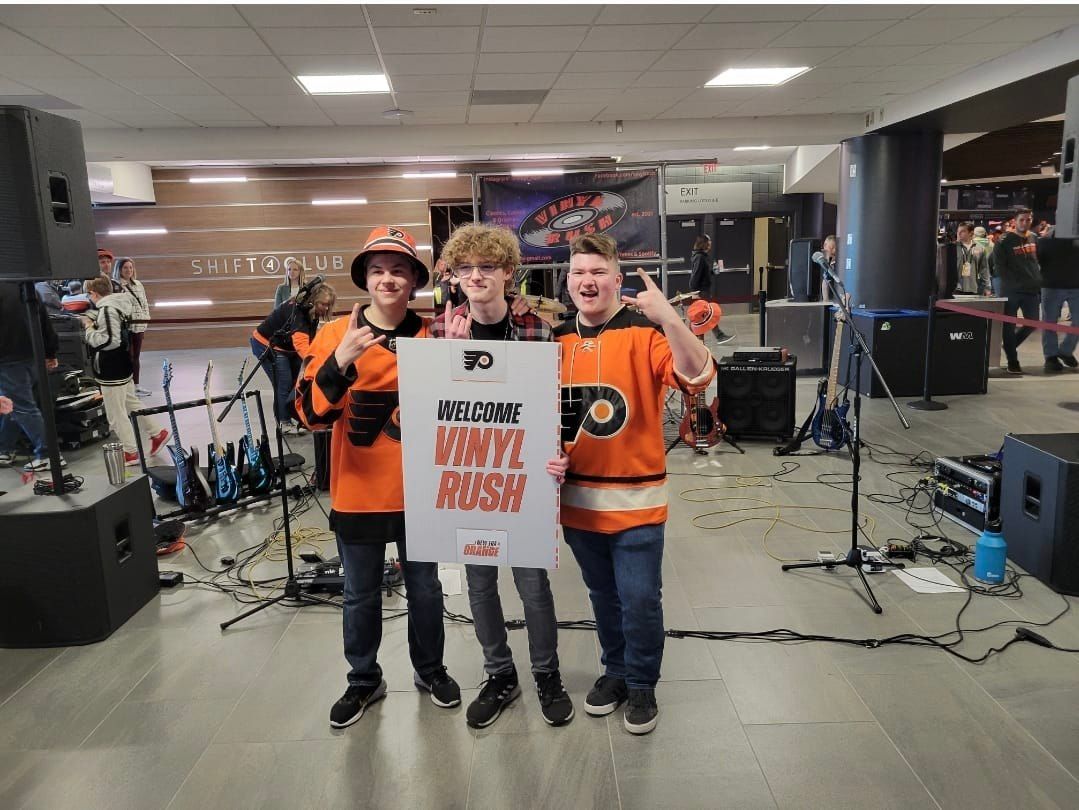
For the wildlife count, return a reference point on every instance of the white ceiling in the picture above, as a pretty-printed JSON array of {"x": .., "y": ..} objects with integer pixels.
[{"x": 140, "y": 67}]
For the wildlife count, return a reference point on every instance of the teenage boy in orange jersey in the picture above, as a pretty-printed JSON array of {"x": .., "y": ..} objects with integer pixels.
[
  {"x": 484, "y": 258},
  {"x": 615, "y": 365},
  {"x": 351, "y": 372}
]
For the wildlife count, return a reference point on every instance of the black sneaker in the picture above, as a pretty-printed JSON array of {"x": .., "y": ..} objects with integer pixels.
[
  {"x": 1068, "y": 360},
  {"x": 555, "y": 704},
  {"x": 444, "y": 690},
  {"x": 354, "y": 703},
  {"x": 498, "y": 692},
  {"x": 1015, "y": 368},
  {"x": 641, "y": 711},
  {"x": 722, "y": 337},
  {"x": 1053, "y": 365},
  {"x": 606, "y": 696}
]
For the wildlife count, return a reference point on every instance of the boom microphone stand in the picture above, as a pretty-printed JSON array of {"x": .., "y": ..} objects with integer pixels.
[{"x": 857, "y": 555}]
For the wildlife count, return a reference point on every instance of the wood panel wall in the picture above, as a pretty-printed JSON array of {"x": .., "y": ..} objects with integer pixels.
[{"x": 227, "y": 243}]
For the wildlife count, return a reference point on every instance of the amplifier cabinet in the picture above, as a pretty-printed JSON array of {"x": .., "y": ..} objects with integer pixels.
[{"x": 756, "y": 400}]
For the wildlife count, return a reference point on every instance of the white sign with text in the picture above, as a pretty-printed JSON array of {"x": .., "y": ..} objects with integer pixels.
[{"x": 709, "y": 198}]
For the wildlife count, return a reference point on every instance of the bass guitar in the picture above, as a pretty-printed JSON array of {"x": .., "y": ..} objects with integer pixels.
[
  {"x": 831, "y": 431},
  {"x": 258, "y": 473},
  {"x": 192, "y": 491},
  {"x": 701, "y": 428},
  {"x": 219, "y": 458}
]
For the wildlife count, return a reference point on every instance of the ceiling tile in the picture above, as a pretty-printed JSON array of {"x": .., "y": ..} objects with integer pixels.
[
  {"x": 185, "y": 104},
  {"x": 89, "y": 120},
  {"x": 832, "y": 76},
  {"x": 726, "y": 95},
  {"x": 684, "y": 110},
  {"x": 673, "y": 78},
  {"x": 593, "y": 61},
  {"x": 878, "y": 56},
  {"x": 359, "y": 118},
  {"x": 566, "y": 112},
  {"x": 634, "y": 37},
  {"x": 533, "y": 38},
  {"x": 438, "y": 115},
  {"x": 15, "y": 89},
  {"x": 835, "y": 32},
  {"x": 1044, "y": 10},
  {"x": 174, "y": 86},
  {"x": 869, "y": 11},
  {"x": 951, "y": 55},
  {"x": 948, "y": 11},
  {"x": 733, "y": 35},
  {"x": 213, "y": 67},
  {"x": 208, "y": 41},
  {"x": 791, "y": 56},
  {"x": 654, "y": 95},
  {"x": 12, "y": 44},
  {"x": 760, "y": 12},
  {"x": 221, "y": 118},
  {"x": 354, "y": 104},
  {"x": 915, "y": 73},
  {"x": 228, "y": 124},
  {"x": 758, "y": 106},
  {"x": 320, "y": 64},
  {"x": 269, "y": 86},
  {"x": 1016, "y": 29},
  {"x": 461, "y": 81},
  {"x": 649, "y": 14},
  {"x": 58, "y": 16},
  {"x": 714, "y": 61},
  {"x": 632, "y": 111},
  {"x": 618, "y": 79},
  {"x": 541, "y": 14},
  {"x": 427, "y": 40},
  {"x": 44, "y": 66},
  {"x": 185, "y": 16},
  {"x": 921, "y": 31},
  {"x": 514, "y": 81},
  {"x": 302, "y": 14},
  {"x": 423, "y": 63},
  {"x": 318, "y": 40},
  {"x": 586, "y": 96},
  {"x": 521, "y": 63},
  {"x": 448, "y": 98},
  {"x": 149, "y": 119},
  {"x": 293, "y": 118},
  {"x": 75, "y": 41},
  {"x": 501, "y": 114},
  {"x": 402, "y": 15}
]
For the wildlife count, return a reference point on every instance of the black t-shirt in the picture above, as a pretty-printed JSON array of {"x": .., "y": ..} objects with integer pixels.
[
  {"x": 491, "y": 331},
  {"x": 407, "y": 328}
]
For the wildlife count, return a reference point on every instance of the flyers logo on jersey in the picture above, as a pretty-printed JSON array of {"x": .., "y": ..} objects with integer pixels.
[
  {"x": 371, "y": 413},
  {"x": 477, "y": 359},
  {"x": 599, "y": 410}
]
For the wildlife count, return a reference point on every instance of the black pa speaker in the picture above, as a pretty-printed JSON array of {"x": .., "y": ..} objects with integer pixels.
[
  {"x": 46, "y": 226},
  {"x": 756, "y": 400},
  {"x": 1068, "y": 190},
  {"x": 804, "y": 276},
  {"x": 74, "y": 568},
  {"x": 1039, "y": 507}
]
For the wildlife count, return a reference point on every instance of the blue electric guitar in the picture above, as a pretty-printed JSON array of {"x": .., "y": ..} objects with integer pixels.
[
  {"x": 831, "y": 431},
  {"x": 259, "y": 473},
  {"x": 192, "y": 491},
  {"x": 227, "y": 484}
]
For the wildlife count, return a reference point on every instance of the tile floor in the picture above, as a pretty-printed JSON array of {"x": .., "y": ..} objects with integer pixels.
[{"x": 170, "y": 712}]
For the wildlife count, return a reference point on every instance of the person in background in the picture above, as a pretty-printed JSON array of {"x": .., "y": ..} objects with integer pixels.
[
  {"x": 700, "y": 278},
  {"x": 289, "y": 329},
  {"x": 17, "y": 379},
  {"x": 75, "y": 302},
  {"x": 107, "y": 335},
  {"x": 1015, "y": 258},
  {"x": 447, "y": 288},
  {"x": 973, "y": 262},
  {"x": 295, "y": 278},
  {"x": 105, "y": 260},
  {"x": 49, "y": 297},
  {"x": 123, "y": 271},
  {"x": 1059, "y": 261}
]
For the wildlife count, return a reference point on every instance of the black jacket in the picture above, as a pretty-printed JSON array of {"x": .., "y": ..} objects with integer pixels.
[
  {"x": 700, "y": 277},
  {"x": 1059, "y": 260},
  {"x": 14, "y": 330},
  {"x": 1015, "y": 261},
  {"x": 297, "y": 319}
]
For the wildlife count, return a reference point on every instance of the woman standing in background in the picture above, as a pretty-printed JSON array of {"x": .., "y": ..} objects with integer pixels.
[
  {"x": 296, "y": 277},
  {"x": 123, "y": 273}
]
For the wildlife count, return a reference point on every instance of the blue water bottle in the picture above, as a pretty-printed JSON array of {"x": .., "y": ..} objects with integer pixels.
[{"x": 990, "y": 555}]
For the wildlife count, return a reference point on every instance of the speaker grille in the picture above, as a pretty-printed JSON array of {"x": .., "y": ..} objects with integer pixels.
[{"x": 757, "y": 400}]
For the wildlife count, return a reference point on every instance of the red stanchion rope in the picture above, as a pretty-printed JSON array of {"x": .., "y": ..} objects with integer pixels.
[{"x": 999, "y": 316}]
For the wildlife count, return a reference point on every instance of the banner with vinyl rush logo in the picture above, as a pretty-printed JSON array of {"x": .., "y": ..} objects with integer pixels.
[
  {"x": 547, "y": 213},
  {"x": 479, "y": 421}
]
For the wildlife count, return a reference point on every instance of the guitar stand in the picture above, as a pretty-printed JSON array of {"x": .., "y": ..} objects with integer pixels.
[{"x": 726, "y": 438}]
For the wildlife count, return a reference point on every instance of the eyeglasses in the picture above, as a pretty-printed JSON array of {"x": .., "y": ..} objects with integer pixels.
[{"x": 465, "y": 270}]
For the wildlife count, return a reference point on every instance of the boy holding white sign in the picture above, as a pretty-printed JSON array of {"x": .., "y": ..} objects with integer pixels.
[
  {"x": 484, "y": 258},
  {"x": 349, "y": 380},
  {"x": 615, "y": 366}
]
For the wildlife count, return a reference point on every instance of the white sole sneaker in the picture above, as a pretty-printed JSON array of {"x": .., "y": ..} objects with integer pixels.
[
  {"x": 643, "y": 728},
  {"x": 377, "y": 695}
]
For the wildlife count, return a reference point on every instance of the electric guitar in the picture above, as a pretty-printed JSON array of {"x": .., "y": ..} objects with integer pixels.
[
  {"x": 259, "y": 473},
  {"x": 831, "y": 431},
  {"x": 192, "y": 491},
  {"x": 701, "y": 428},
  {"x": 227, "y": 485}
]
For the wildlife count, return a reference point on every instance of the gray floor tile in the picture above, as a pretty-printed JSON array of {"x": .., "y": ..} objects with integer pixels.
[
  {"x": 836, "y": 765},
  {"x": 185, "y": 723},
  {"x": 17, "y": 667}
]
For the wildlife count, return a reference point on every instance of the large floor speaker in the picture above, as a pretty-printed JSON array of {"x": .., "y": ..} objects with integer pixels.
[
  {"x": 756, "y": 400},
  {"x": 74, "y": 568},
  {"x": 1068, "y": 191},
  {"x": 804, "y": 278},
  {"x": 1039, "y": 507},
  {"x": 46, "y": 225}
]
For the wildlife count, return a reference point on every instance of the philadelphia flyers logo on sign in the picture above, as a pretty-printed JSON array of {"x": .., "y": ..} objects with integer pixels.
[
  {"x": 477, "y": 359},
  {"x": 600, "y": 411},
  {"x": 560, "y": 221}
]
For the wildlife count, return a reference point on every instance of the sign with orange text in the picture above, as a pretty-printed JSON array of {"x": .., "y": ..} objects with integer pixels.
[{"x": 479, "y": 422}]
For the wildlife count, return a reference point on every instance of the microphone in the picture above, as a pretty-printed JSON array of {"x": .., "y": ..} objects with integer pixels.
[
  {"x": 306, "y": 289},
  {"x": 818, "y": 257}
]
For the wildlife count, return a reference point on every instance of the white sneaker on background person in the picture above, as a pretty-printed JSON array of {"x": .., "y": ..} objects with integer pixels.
[
  {"x": 41, "y": 464},
  {"x": 142, "y": 392}
]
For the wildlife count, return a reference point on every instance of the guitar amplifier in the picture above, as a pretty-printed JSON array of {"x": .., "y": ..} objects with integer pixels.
[
  {"x": 756, "y": 400},
  {"x": 968, "y": 490}
]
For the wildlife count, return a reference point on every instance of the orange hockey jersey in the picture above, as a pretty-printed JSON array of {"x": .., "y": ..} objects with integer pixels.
[
  {"x": 613, "y": 381},
  {"x": 366, "y": 480}
]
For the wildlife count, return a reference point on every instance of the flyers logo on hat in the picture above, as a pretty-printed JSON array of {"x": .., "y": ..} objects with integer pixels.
[{"x": 395, "y": 233}]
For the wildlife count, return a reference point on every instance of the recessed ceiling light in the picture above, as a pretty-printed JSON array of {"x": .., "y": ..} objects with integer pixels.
[
  {"x": 353, "y": 83},
  {"x": 397, "y": 112},
  {"x": 342, "y": 201},
  {"x": 755, "y": 77},
  {"x": 136, "y": 231},
  {"x": 424, "y": 175},
  {"x": 217, "y": 179},
  {"x": 750, "y": 148},
  {"x": 536, "y": 172}
]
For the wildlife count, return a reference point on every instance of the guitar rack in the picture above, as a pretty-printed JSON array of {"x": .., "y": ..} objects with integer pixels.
[{"x": 218, "y": 509}]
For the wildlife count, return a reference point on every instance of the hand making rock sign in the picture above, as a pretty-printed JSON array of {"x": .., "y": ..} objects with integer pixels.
[
  {"x": 356, "y": 340},
  {"x": 652, "y": 302}
]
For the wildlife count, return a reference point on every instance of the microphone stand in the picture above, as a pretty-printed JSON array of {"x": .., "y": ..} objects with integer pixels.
[{"x": 857, "y": 555}]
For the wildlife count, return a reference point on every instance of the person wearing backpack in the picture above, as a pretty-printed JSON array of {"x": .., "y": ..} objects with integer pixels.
[
  {"x": 108, "y": 337},
  {"x": 123, "y": 272}
]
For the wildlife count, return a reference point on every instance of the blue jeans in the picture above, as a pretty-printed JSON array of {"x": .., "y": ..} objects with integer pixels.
[
  {"x": 362, "y": 619},
  {"x": 534, "y": 588},
  {"x": 288, "y": 369},
  {"x": 17, "y": 384},
  {"x": 1027, "y": 302},
  {"x": 623, "y": 573},
  {"x": 1052, "y": 303}
]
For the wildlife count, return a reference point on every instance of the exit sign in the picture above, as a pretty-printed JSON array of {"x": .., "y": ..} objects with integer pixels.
[{"x": 710, "y": 168}]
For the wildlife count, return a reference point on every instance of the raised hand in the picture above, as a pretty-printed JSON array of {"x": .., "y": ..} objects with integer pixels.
[
  {"x": 651, "y": 302},
  {"x": 356, "y": 340},
  {"x": 519, "y": 305},
  {"x": 458, "y": 327}
]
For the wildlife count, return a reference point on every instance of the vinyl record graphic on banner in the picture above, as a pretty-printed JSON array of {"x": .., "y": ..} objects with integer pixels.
[{"x": 556, "y": 223}]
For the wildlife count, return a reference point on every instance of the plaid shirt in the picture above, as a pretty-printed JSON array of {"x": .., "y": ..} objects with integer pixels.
[{"x": 529, "y": 326}]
